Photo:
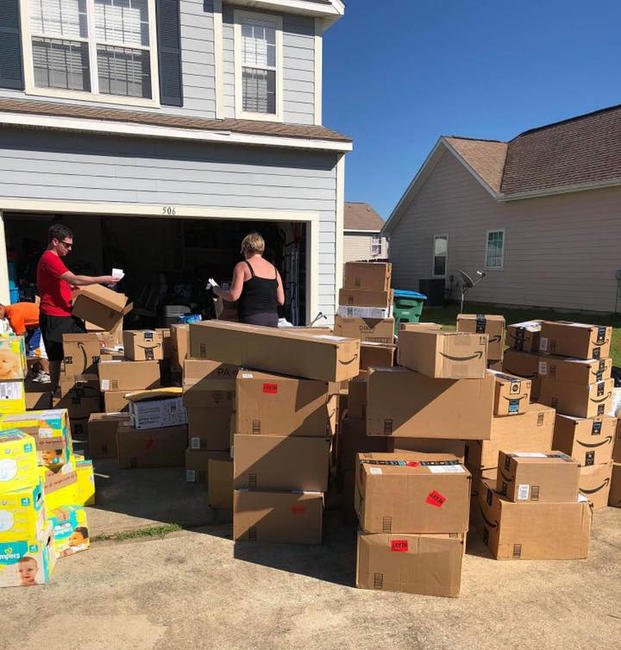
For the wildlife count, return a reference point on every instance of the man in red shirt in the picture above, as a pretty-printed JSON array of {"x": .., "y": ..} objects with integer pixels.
[{"x": 54, "y": 282}]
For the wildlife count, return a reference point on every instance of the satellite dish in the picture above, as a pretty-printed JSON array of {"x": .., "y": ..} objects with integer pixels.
[
  {"x": 467, "y": 283},
  {"x": 466, "y": 279}
]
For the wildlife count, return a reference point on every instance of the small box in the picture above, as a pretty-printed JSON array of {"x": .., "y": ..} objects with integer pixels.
[
  {"x": 18, "y": 461},
  {"x": 369, "y": 276},
  {"x": 38, "y": 400},
  {"x": 523, "y": 364},
  {"x": 578, "y": 340},
  {"x": 197, "y": 464},
  {"x": 152, "y": 447},
  {"x": 512, "y": 394},
  {"x": 614, "y": 496},
  {"x": 577, "y": 371},
  {"x": 100, "y": 306},
  {"x": 129, "y": 375},
  {"x": 12, "y": 358},
  {"x": 491, "y": 324},
  {"x": 595, "y": 484},
  {"x": 157, "y": 412},
  {"x": 524, "y": 337},
  {"x": 579, "y": 400},
  {"x": 360, "y": 298},
  {"x": 82, "y": 354},
  {"x": 77, "y": 387},
  {"x": 102, "y": 433},
  {"x": 143, "y": 345},
  {"x": 376, "y": 355},
  {"x": 28, "y": 562},
  {"x": 366, "y": 329},
  {"x": 588, "y": 440},
  {"x": 220, "y": 483}
]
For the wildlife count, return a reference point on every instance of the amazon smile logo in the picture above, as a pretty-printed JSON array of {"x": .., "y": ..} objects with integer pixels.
[
  {"x": 606, "y": 441},
  {"x": 602, "y": 399},
  {"x": 514, "y": 399},
  {"x": 495, "y": 339},
  {"x": 597, "y": 489},
  {"x": 450, "y": 357}
]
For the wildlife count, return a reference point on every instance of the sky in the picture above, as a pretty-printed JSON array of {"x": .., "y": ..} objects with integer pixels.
[{"x": 398, "y": 74}]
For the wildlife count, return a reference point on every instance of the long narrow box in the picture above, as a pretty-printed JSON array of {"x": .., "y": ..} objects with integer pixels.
[
  {"x": 491, "y": 324},
  {"x": 579, "y": 400},
  {"x": 370, "y": 276},
  {"x": 129, "y": 375},
  {"x": 588, "y": 440},
  {"x": 578, "y": 340},
  {"x": 512, "y": 394},
  {"x": 577, "y": 371}
]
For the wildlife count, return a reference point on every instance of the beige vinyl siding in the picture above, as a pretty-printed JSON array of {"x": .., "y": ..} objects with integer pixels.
[
  {"x": 357, "y": 246},
  {"x": 560, "y": 251}
]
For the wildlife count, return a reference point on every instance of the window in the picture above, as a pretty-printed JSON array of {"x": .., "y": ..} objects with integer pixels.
[
  {"x": 440, "y": 250},
  {"x": 376, "y": 245},
  {"x": 103, "y": 47},
  {"x": 495, "y": 249}
]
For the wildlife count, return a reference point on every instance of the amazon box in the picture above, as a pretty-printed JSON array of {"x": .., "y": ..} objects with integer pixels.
[
  {"x": 220, "y": 483},
  {"x": 115, "y": 401},
  {"x": 512, "y": 393},
  {"x": 491, "y": 324},
  {"x": 361, "y": 298},
  {"x": 353, "y": 440},
  {"x": 537, "y": 476},
  {"x": 102, "y": 433},
  {"x": 180, "y": 344},
  {"x": 196, "y": 369},
  {"x": 523, "y": 364},
  {"x": 129, "y": 375},
  {"x": 579, "y": 400},
  {"x": 576, "y": 371},
  {"x": 443, "y": 355},
  {"x": 268, "y": 404},
  {"x": 277, "y": 463},
  {"x": 524, "y": 337},
  {"x": 277, "y": 517},
  {"x": 79, "y": 386},
  {"x": 455, "y": 448},
  {"x": 415, "y": 564},
  {"x": 197, "y": 464},
  {"x": 369, "y": 276},
  {"x": 577, "y": 340},
  {"x": 534, "y": 530},
  {"x": 357, "y": 397},
  {"x": 376, "y": 355},
  {"x": 616, "y": 449},
  {"x": 595, "y": 484},
  {"x": 614, "y": 496},
  {"x": 210, "y": 393},
  {"x": 100, "y": 306},
  {"x": 407, "y": 404},
  {"x": 366, "y": 329},
  {"x": 142, "y": 448},
  {"x": 38, "y": 400},
  {"x": 588, "y": 440},
  {"x": 322, "y": 357},
  {"x": 143, "y": 345},
  {"x": 412, "y": 327},
  {"x": 81, "y": 355},
  {"x": 408, "y": 492},
  {"x": 79, "y": 405},
  {"x": 210, "y": 428}
]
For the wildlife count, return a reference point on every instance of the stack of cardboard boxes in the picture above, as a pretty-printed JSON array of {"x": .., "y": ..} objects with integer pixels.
[
  {"x": 12, "y": 373},
  {"x": 491, "y": 324}
]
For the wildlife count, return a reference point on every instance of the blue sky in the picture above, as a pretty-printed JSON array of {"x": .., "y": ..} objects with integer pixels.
[{"x": 400, "y": 73}]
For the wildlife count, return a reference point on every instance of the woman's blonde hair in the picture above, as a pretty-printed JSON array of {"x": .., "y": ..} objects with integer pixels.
[{"x": 253, "y": 243}]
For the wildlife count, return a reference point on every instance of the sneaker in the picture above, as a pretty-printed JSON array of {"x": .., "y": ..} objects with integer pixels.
[{"x": 42, "y": 378}]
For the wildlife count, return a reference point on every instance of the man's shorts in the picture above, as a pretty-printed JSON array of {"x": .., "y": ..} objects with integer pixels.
[{"x": 52, "y": 330}]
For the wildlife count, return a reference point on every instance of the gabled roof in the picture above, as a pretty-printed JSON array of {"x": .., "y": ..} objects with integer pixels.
[
  {"x": 486, "y": 157},
  {"x": 361, "y": 216}
]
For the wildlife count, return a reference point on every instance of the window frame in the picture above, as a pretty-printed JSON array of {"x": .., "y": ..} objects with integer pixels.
[
  {"x": 376, "y": 241},
  {"x": 92, "y": 95},
  {"x": 239, "y": 16},
  {"x": 433, "y": 255},
  {"x": 502, "y": 252}
]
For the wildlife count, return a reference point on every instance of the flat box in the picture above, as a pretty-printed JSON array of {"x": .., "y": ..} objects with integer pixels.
[
  {"x": 180, "y": 344},
  {"x": 366, "y": 329},
  {"x": 143, "y": 345},
  {"x": 595, "y": 484},
  {"x": 359, "y": 298},
  {"x": 197, "y": 464},
  {"x": 455, "y": 448},
  {"x": 12, "y": 358},
  {"x": 102, "y": 434},
  {"x": 578, "y": 340},
  {"x": 322, "y": 357},
  {"x": 534, "y": 530},
  {"x": 512, "y": 393},
  {"x": 443, "y": 355},
  {"x": 579, "y": 400},
  {"x": 129, "y": 375},
  {"x": 491, "y": 324},
  {"x": 196, "y": 369},
  {"x": 210, "y": 428},
  {"x": 357, "y": 397},
  {"x": 537, "y": 476},
  {"x": 276, "y": 463},
  {"x": 409, "y": 492},
  {"x": 370, "y": 276},
  {"x": 406, "y": 404},
  {"x": 100, "y": 306},
  {"x": 577, "y": 371},
  {"x": 278, "y": 517},
  {"x": 413, "y": 327},
  {"x": 220, "y": 483},
  {"x": 353, "y": 440},
  {"x": 616, "y": 450},
  {"x": 82, "y": 353},
  {"x": 115, "y": 402},
  {"x": 210, "y": 393},
  {"x": 588, "y": 440},
  {"x": 614, "y": 496},
  {"x": 376, "y": 355},
  {"x": 268, "y": 404},
  {"x": 524, "y": 336},
  {"x": 151, "y": 447},
  {"x": 157, "y": 413},
  {"x": 28, "y": 562},
  {"x": 12, "y": 396},
  {"x": 429, "y": 565}
]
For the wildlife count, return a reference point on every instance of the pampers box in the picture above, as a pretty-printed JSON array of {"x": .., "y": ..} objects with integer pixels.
[
  {"x": 12, "y": 358},
  {"x": 28, "y": 562},
  {"x": 70, "y": 530},
  {"x": 18, "y": 461},
  {"x": 22, "y": 514}
]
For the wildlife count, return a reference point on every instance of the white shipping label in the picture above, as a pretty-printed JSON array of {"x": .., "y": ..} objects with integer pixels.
[
  {"x": 105, "y": 384},
  {"x": 10, "y": 390},
  {"x": 543, "y": 344},
  {"x": 247, "y": 375},
  {"x": 543, "y": 368},
  {"x": 375, "y": 470},
  {"x": 523, "y": 492},
  {"x": 446, "y": 469},
  {"x": 45, "y": 432},
  {"x": 529, "y": 454}
]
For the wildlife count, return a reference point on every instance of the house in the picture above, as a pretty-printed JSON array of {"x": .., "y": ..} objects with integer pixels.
[
  {"x": 362, "y": 240},
  {"x": 162, "y": 131},
  {"x": 540, "y": 215}
]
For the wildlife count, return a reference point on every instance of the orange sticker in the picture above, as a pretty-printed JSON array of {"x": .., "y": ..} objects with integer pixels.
[
  {"x": 270, "y": 389},
  {"x": 435, "y": 499},
  {"x": 399, "y": 545}
]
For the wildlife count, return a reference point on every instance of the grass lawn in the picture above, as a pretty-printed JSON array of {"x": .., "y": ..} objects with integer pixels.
[{"x": 448, "y": 316}]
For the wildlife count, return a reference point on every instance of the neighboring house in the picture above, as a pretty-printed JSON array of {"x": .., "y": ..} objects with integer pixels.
[
  {"x": 540, "y": 215},
  {"x": 363, "y": 239},
  {"x": 164, "y": 130}
]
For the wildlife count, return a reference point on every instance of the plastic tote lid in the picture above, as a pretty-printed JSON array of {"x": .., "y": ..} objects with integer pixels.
[{"x": 401, "y": 293}]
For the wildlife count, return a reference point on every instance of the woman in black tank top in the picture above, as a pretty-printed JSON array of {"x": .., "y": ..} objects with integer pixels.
[{"x": 256, "y": 285}]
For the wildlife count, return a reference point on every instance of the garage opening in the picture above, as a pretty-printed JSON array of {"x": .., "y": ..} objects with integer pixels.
[{"x": 167, "y": 261}]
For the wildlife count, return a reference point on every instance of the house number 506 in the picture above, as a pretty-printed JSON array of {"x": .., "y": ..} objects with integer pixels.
[{"x": 169, "y": 210}]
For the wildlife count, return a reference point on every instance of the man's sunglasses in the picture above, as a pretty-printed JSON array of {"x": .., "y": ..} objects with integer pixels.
[{"x": 66, "y": 244}]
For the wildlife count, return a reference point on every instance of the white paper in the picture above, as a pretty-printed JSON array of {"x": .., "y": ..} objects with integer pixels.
[
  {"x": 543, "y": 344},
  {"x": 543, "y": 368},
  {"x": 118, "y": 273},
  {"x": 105, "y": 384},
  {"x": 375, "y": 470},
  {"x": 195, "y": 443},
  {"x": 523, "y": 492},
  {"x": 529, "y": 454},
  {"x": 212, "y": 283},
  {"x": 446, "y": 469},
  {"x": 247, "y": 375}
]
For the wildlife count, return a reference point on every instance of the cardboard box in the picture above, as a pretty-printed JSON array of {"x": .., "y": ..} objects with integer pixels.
[
  {"x": 524, "y": 336},
  {"x": 616, "y": 449},
  {"x": 268, "y": 404},
  {"x": 210, "y": 393},
  {"x": 82, "y": 353},
  {"x": 12, "y": 358},
  {"x": 353, "y": 440},
  {"x": 79, "y": 428},
  {"x": 79, "y": 405},
  {"x": 357, "y": 397},
  {"x": 367, "y": 313},
  {"x": 220, "y": 483},
  {"x": 579, "y": 400},
  {"x": 443, "y": 355},
  {"x": 102, "y": 433},
  {"x": 595, "y": 484},
  {"x": 71, "y": 534},
  {"x": 534, "y": 530},
  {"x": 28, "y": 562},
  {"x": 86, "y": 482},
  {"x": 588, "y": 440},
  {"x": 197, "y": 369},
  {"x": 210, "y": 428},
  {"x": 409, "y": 492},
  {"x": 197, "y": 464},
  {"x": 99, "y": 305},
  {"x": 115, "y": 401},
  {"x": 415, "y": 564},
  {"x": 455, "y": 448},
  {"x": 512, "y": 393},
  {"x": 277, "y": 517},
  {"x": 369, "y": 276},
  {"x": 578, "y": 371},
  {"x": 38, "y": 401},
  {"x": 180, "y": 343},
  {"x": 143, "y": 345},
  {"x": 23, "y": 513},
  {"x": 157, "y": 413},
  {"x": 129, "y": 375},
  {"x": 151, "y": 447},
  {"x": 537, "y": 476},
  {"x": 322, "y": 357},
  {"x": 614, "y": 496},
  {"x": 522, "y": 364},
  {"x": 407, "y": 404},
  {"x": 412, "y": 327},
  {"x": 366, "y": 329},
  {"x": 376, "y": 355},
  {"x": 360, "y": 298},
  {"x": 277, "y": 463},
  {"x": 491, "y": 324},
  {"x": 79, "y": 386},
  {"x": 577, "y": 340}
]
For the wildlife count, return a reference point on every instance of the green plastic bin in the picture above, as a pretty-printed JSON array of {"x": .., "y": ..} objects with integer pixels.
[{"x": 407, "y": 307}]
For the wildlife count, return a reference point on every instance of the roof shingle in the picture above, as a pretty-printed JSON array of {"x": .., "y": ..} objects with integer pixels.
[{"x": 361, "y": 216}]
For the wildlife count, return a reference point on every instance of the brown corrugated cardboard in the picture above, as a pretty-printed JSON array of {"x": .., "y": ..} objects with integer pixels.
[
  {"x": 322, "y": 357},
  {"x": 534, "y": 530},
  {"x": 512, "y": 393},
  {"x": 537, "y": 476},
  {"x": 79, "y": 386},
  {"x": 588, "y": 440},
  {"x": 277, "y": 463},
  {"x": 410, "y": 492},
  {"x": 143, "y": 345},
  {"x": 357, "y": 396},
  {"x": 524, "y": 336},
  {"x": 102, "y": 434},
  {"x": 180, "y": 343},
  {"x": 353, "y": 440},
  {"x": 536, "y": 418},
  {"x": 412, "y": 327},
  {"x": 415, "y": 564},
  {"x": 579, "y": 400},
  {"x": 99, "y": 305},
  {"x": 455, "y": 448},
  {"x": 595, "y": 484},
  {"x": 268, "y": 404},
  {"x": 115, "y": 402},
  {"x": 361, "y": 298},
  {"x": 494, "y": 365},
  {"x": 210, "y": 393},
  {"x": 376, "y": 355},
  {"x": 523, "y": 364},
  {"x": 578, "y": 340},
  {"x": 616, "y": 449},
  {"x": 614, "y": 496},
  {"x": 365, "y": 329},
  {"x": 78, "y": 404},
  {"x": 197, "y": 464},
  {"x": 491, "y": 324},
  {"x": 578, "y": 371},
  {"x": 129, "y": 375},
  {"x": 79, "y": 428},
  {"x": 277, "y": 517},
  {"x": 443, "y": 355},
  {"x": 195, "y": 369},
  {"x": 404, "y": 403},
  {"x": 210, "y": 428},
  {"x": 151, "y": 447},
  {"x": 166, "y": 342},
  {"x": 220, "y": 483},
  {"x": 82, "y": 352},
  {"x": 370, "y": 276},
  {"x": 38, "y": 401}
]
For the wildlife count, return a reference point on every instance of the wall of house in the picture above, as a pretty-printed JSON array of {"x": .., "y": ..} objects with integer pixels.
[
  {"x": 560, "y": 251},
  {"x": 357, "y": 246}
]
